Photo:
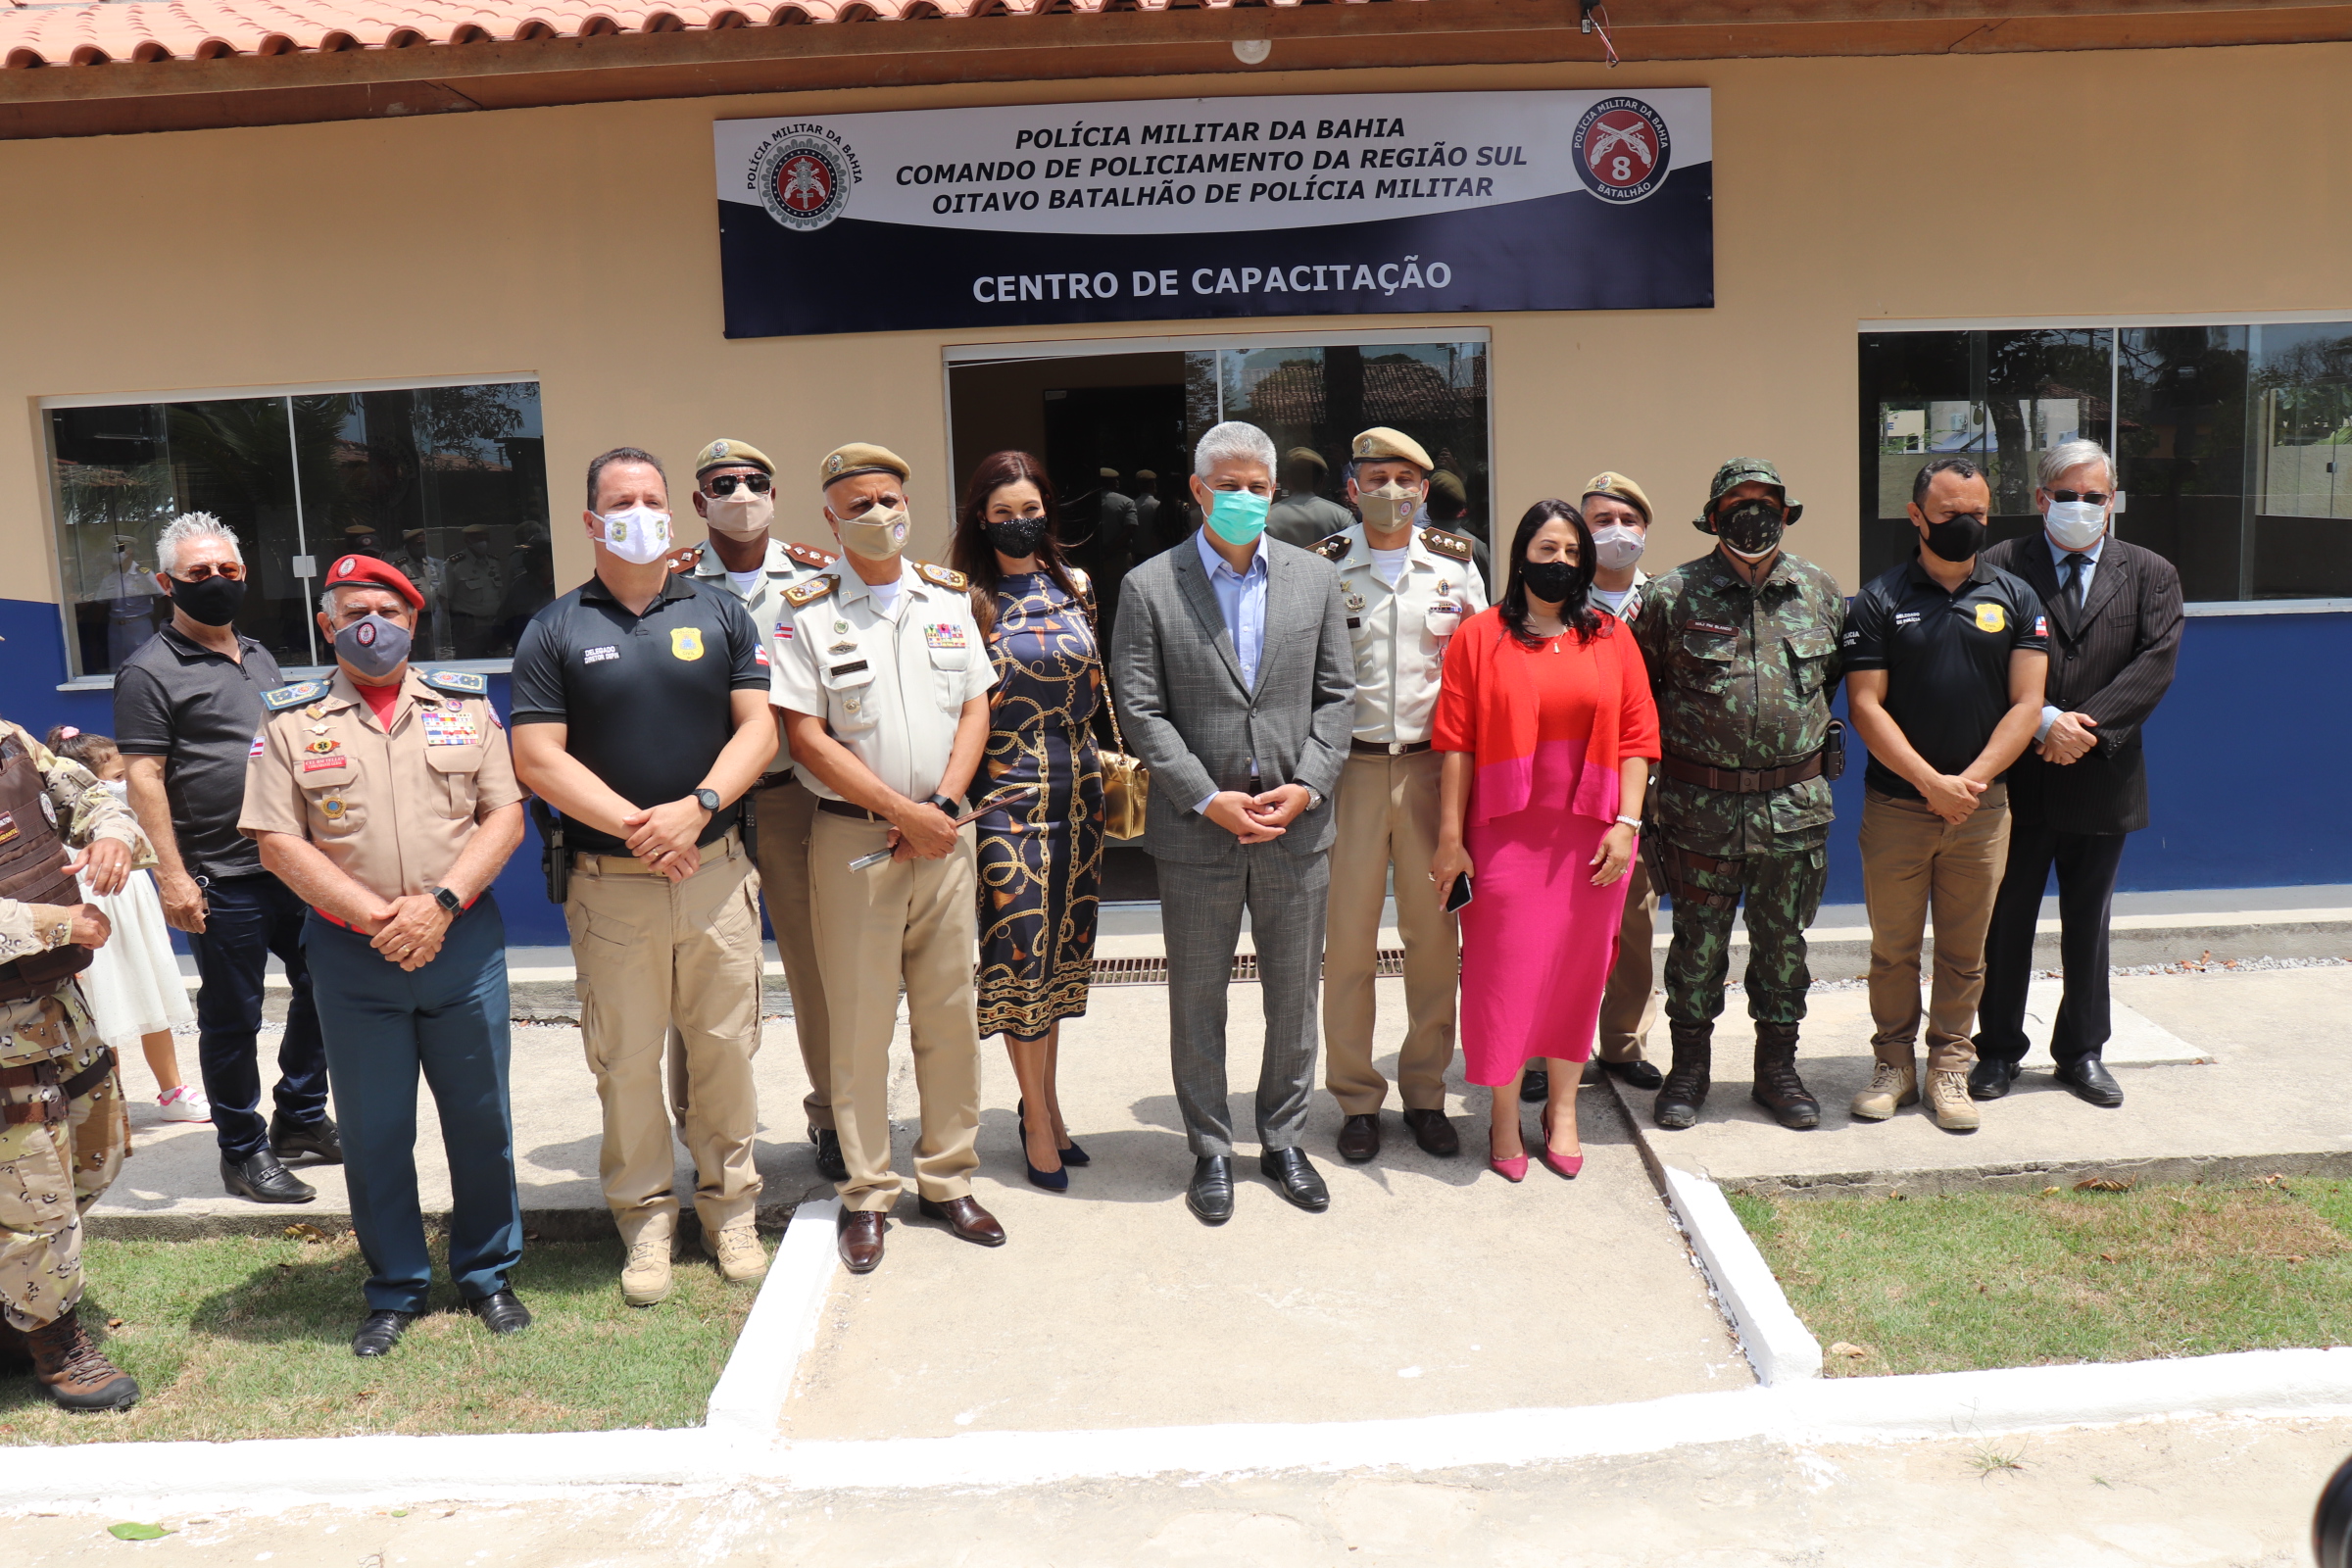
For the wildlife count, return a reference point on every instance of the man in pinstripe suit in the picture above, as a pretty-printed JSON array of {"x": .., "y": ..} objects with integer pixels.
[
  {"x": 2115, "y": 632},
  {"x": 1231, "y": 660}
]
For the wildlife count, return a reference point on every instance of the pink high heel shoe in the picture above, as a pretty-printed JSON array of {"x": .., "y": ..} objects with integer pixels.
[
  {"x": 1513, "y": 1169},
  {"x": 1566, "y": 1166}
]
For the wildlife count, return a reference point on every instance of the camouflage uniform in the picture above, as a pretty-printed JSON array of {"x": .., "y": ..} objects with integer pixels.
[
  {"x": 1744, "y": 678},
  {"x": 66, "y": 1130}
]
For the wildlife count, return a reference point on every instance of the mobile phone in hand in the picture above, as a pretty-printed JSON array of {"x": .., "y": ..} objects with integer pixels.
[{"x": 1459, "y": 894}]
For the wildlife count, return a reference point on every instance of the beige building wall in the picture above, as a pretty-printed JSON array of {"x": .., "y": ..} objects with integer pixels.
[{"x": 578, "y": 246}]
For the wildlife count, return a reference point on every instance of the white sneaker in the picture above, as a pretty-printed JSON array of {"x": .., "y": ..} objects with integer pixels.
[{"x": 185, "y": 1104}]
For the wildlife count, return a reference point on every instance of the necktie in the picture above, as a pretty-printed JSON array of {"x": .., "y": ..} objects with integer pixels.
[{"x": 2072, "y": 589}]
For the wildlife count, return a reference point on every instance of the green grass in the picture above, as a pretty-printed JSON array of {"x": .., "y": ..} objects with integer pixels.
[
  {"x": 246, "y": 1337},
  {"x": 1979, "y": 1280}
]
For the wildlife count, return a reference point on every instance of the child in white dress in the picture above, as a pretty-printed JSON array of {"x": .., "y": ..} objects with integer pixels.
[{"x": 133, "y": 983}]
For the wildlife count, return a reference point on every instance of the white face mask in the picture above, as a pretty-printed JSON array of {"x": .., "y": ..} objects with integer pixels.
[
  {"x": 1389, "y": 507},
  {"x": 741, "y": 516},
  {"x": 2075, "y": 524},
  {"x": 877, "y": 534},
  {"x": 638, "y": 535},
  {"x": 1616, "y": 545}
]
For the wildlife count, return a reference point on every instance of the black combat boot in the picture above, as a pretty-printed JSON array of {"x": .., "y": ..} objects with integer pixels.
[
  {"x": 1779, "y": 1088},
  {"x": 1685, "y": 1090},
  {"x": 73, "y": 1373}
]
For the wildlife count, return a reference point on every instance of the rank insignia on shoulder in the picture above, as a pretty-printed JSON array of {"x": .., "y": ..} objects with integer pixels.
[
  {"x": 946, "y": 577},
  {"x": 1333, "y": 549},
  {"x": 801, "y": 595},
  {"x": 808, "y": 555},
  {"x": 463, "y": 682},
  {"x": 1445, "y": 544},
  {"x": 294, "y": 696}
]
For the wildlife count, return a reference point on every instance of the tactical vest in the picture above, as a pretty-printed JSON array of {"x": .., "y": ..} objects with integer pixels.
[{"x": 33, "y": 870}]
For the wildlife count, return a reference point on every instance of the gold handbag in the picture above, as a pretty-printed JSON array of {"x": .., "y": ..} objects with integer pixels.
[{"x": 1126, "y": 782}]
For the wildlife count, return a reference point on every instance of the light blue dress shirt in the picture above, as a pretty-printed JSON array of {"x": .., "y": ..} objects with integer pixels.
[
  {"x": 2091, "y": 568},
  {"x": 1242, "y": 600}
]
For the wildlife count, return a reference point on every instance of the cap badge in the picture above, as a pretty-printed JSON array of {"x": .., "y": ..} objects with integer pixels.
[
  {"x": 718, "y": 449},
  {"x": 833, "y": 463}
]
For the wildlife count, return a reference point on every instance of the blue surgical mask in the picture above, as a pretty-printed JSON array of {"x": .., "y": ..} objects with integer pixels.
[
  {"x": 373, "y": 646},
  {"x": 1238, "y": 516}
]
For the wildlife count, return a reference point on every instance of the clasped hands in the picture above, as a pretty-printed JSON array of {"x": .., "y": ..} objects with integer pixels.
[
  {"x": 1257, "y": 819},
  {"x": 664, "y": 836},
  {"x": 2068, "y": 740}
]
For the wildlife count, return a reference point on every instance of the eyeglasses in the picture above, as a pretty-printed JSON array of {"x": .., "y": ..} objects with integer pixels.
[
  {"x": 725, "y": 484},
  {"x": 2096, "y": 498},
  {"x": 234, "y": 572}
]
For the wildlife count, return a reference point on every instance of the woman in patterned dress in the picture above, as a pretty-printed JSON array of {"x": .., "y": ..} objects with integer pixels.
[{"x": 1040, "y": 855}]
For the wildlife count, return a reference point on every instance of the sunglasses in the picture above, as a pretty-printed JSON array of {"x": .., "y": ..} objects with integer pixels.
[
  {"x": 2096, "y": 498},
  {"x": 725, "y": 484},
  {"x": 198, "y": 573}
]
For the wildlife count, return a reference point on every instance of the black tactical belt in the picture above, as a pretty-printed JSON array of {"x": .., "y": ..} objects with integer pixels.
[
  {"x": 1740, "y": 780},
  {"x": 845, "y": 809},
  {"x": 775, "y": 781}
]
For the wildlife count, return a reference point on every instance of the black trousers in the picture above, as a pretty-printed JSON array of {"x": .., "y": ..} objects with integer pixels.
[
  {"x": 2086, "y": 864},
  {"x": 246, "y": 919}
]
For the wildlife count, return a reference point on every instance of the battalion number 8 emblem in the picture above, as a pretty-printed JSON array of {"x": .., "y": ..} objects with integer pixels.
[
  {"x": 804, "y": 181},
  {"x": 1622, "y": 149}
]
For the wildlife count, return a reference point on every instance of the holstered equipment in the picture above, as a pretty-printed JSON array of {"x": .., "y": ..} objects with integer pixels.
[
  {"x": 1670, "y": 866},
  {"x": 55, "y": 1097},
  {"x": 33, "y": 870},
  {"x": 554, "y": 858}
]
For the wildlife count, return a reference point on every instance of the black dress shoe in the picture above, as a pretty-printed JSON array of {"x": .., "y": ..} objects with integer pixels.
[
  {"x": 1210, "y": 1195},
  {"x": 1989, "y": 1079},
  {"x": 857, "y": 1236},
  {"x": 1635, "y": 1074},
  {"x": 379, "y": 1332},
  {"x": 1359, "y": 1139},
  {"x": 266, "y": 1180},
  {"x": 318, "y": 1140},
  {"x": 500, "y": 1312},
  {"x": 1287, "y": 1169},
  {"x": 829, "y": 1163},
  {"x": 965, "y": 1217},
  {"x": 1534, "y": 1086},
  {"x": 2090, "y": 1080},
  {"x": 1434, "y": 1133}
]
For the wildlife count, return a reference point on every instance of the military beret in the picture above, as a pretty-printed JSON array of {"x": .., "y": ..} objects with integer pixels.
[
  {"x": 1306, "y": 455},
  {"x": 1379, "y": 444},
  {"x": 860, "y": 457},
  {"x": 1107, "y": 473},
  {"x": 1609, "y": 482},
  {"x": 723, "y": 453},
  {"x": 375, "y": 573},
  {"x": 1448, "y": 486},
  {"x": 360, "y": 531},
  {"x": 1145, "y": 473},
  {"x": 474, "y": 530}
]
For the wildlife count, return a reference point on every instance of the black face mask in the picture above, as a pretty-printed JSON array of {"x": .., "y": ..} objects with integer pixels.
[
  {"x": 1956, "y": 539},
  {"x": 212, "y": 601},
  {"x": 1017, "y": 537},
  {"x": 1548, "y": 580},
  {"x": 1752, "y": 527}
]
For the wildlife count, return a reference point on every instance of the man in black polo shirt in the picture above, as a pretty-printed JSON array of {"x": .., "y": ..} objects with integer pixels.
[
  {"x": 188, "y": 713},
  {"x": 1945, "y": 657},
  {"x": 641, "y": 713}
]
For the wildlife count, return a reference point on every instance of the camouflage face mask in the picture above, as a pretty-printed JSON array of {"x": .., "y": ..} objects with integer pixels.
[{"x": 1752, "y": 529}]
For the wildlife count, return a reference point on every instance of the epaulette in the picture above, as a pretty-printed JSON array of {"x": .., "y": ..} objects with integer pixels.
[
  {"x": 460, "y": 682},
  {"x": 808, "y": 554},
  {"x": 953, "y": 581},
  {"x": 1333, "y": 549},
  {"x": 294, "y": 696},
  {"x": 801, "y": 595},
  {"x": 1446, "y": 544}
]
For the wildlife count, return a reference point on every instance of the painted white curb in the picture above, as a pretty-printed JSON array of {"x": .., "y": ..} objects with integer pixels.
[
  {"x": 1779, "y": 1345},
  {"x": 748, "y": 1399}
]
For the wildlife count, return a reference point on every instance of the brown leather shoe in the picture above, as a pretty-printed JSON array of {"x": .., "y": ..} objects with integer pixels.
[
  {"x": 1360, "y": 1138},
  {"x": 857, "y": 1235},
  {"x": 72, "y": 1371},
  {"x": 965, "y": 1217},
  {"x": 1434, "y": 1133}
]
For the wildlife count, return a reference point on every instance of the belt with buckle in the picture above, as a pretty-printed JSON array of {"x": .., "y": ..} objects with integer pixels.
[
  {"x": 845, "y": 809},
  {"x": 775, "y": 781},
  {"x": 1740, "y": 780},
  {"x": 1387, "y": 747}
]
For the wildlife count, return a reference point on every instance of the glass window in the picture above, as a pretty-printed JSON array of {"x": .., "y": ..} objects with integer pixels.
[
  {"x": 2301, "y": 415},
  {"x": 448, "y": 482}
]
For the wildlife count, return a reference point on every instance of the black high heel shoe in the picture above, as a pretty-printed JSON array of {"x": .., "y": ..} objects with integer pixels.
[
  {"x": 1071, "y": 1153},
  {"x": 1053, "y": 1181}
]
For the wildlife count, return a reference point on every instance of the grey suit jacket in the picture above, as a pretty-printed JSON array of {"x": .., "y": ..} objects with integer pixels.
[{"x": 1178, "y": 684}]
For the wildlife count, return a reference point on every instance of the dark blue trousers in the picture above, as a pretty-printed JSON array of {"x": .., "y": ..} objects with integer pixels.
[
  {"x": 246, "y": 919},
  {"x": 382, "y": 1025}
]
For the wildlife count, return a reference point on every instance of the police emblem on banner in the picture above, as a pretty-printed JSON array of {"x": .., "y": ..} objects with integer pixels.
[
  {"x": 1622, "y": 149},
  {"x": 804, "y": 180}
]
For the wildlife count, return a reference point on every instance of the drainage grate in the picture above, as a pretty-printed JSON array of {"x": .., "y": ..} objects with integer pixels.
[{"x": 1155, "y": 971}]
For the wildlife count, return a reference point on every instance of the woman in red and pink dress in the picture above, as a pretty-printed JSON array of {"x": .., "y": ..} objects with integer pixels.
[{"x": 1549, "y": 727}]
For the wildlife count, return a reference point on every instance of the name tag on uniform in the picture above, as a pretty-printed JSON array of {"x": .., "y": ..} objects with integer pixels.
[
  {"x": 849, "y": 668},
  {"x": 596, "y": 656},
  {"x": 317, "y": 763},
  {"x": 450, "y": 729},
  {"x": 1715, "y": 627},
  {"x": 945, "y": 634}
]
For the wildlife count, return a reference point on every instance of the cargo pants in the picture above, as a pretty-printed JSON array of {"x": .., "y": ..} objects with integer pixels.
[{"x": 51, "y": 1171}]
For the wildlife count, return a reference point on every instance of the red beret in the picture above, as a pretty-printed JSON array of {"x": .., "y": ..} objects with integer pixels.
[{"x": 374, "y": 569}]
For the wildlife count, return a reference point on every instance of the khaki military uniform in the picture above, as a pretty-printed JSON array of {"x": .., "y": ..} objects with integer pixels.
[
  {"x": 475, "y": 589},
  {"x": 64, "y": 1130},
  {"x": 890, "y": 685},
  {"x": 1387, "y": 814},
  {"x": 782, "y": 809}
]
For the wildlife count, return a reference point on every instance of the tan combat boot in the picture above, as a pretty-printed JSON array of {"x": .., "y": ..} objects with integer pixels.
[
  {"x": 1948, "y": 1098},
  {"x": 1890, "y": 1089},
  {"x": 71, "y": 1370},
  {"x": 645, "y": 1277},
  {"x": 737, "y": 1251}
]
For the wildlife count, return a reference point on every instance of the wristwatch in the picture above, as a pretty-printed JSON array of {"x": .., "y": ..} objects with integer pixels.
[
  {"x": 707, "y": 800},
  {"x": 945, "y": 805},
  {"x": 450, "y": 905},
  {"x": 1314, "y": 796}
]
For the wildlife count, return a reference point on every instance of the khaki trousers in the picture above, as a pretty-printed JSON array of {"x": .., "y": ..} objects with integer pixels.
[
  {"x": 650, "y": 955},
  {"x": 1388, "y": 814},
  {"x": 1629, "y": 1007},
  {"x": 915, "y": 921},
  {"x": 1916, "y": 865}
]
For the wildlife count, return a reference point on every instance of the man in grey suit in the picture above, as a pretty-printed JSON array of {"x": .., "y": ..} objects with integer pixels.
[{"x": 1231, "y": 660}]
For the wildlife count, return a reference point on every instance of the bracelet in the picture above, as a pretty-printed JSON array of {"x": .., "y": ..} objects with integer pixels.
[{"x": 1633, "y": 822}]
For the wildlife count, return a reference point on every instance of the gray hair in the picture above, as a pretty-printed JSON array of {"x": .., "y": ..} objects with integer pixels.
[
  {"x": 2073, "y": 455},
  {"x": 1233, "y": 441},
  {"x": 326, "y": 595},
  {"x": 193, "y": 526}
]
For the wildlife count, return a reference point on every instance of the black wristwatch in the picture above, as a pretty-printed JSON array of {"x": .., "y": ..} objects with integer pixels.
[
  {"x": 450, "y": 905},
  {"x": 945, "y": 805},
  {"x": 707, "y": 800}
]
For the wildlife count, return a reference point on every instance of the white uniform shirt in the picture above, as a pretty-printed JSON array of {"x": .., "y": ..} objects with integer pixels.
[
  {"x": 1399, "y": 633},
  {"x": 889, "y": 683},
  {"x": 786, "y": 565}
]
